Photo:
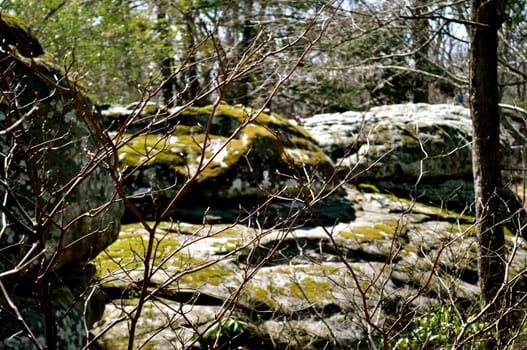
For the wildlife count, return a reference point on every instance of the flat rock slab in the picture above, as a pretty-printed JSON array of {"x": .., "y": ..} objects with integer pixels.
[{"x": 300, "y": 285}]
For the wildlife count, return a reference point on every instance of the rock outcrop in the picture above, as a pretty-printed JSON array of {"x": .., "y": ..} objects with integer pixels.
[
  {"x": 420, "y": 151},
  {"x": 220, "y": 159},
  {"x": 58, "y": 203},
  {"x": 332, "y": 287}
]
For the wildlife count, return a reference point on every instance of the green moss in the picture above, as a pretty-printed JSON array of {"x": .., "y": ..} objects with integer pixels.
[
  {"x": 234, "y": 150},
  {"x": 317, "y": 286},
  {"x": 386, "y": 228},
  {"x": 151, "y": 109},
  {"x": 421, "y": 208},
  {"x": 273, "y": 122},
  {"x": 311, "y": 289},
  {"x": 259, "y": 296},
  {"x": 227, "y": 246},
  {"x": 178, "y": 152},
  {"x": 230, "y": 231},
  {"x": 468, "y": 229},
  {"x": 507, "y": 232},
  {"x": 183, "y": 130},
  {"x": 128, "y": 252},
  {"x": 408, "y": 134},
  {"x": 369, "y": 188},
  {"x": 18, "y": 36},
  {"x": 221, "y": 156},
  {"x": 201, "y": 115},
  {"x": 216, "y": 274},
  {"x": 14, "y": 21},
  {"x": 409, "y": 251},
  {"x": 369, "y": 233},
  {"x": 184, "y": 148},
  {"x": 317, "y": 270},
  {"x": 149, "y": 346},
  {"x": 151, "y": 149}
]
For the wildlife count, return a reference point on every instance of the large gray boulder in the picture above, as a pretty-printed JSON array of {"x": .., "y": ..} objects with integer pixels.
[
  {"x": 56, "y": 192},
  {"x": 417, "y": 150},
  {"x": 398, "y": 142}
]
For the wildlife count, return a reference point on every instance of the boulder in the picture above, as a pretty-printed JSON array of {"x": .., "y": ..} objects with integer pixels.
[
  {"x": 414, "y": 150},
  {"x": 223, "y": 157},
  {"x": 398, "y": 142},
  {"x": 58, "y": 208}
]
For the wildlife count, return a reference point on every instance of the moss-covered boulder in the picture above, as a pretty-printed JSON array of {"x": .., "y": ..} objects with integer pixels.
[
  {"x": 57, "y": 166},
  {"x": 225, "y": 156},
  {"x": 56, "y": 188}
]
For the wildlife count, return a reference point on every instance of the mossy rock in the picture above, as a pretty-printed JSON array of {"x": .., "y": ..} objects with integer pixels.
[
  {"x": 172, "y": 260},
  {"x": 305, "y": 288},
  {"x": 225, "y": 155},
  {"x": 54, "y": 183},
  {"x": 405, "y": 142},
  {"x": 16, "y": 35},
  {"x": 59, "y": 133}
]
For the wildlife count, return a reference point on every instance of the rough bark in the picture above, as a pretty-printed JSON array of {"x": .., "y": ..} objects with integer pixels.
[
  {"x": 190, "y": 90},
  {"x": 420, "y": 30},
  {"x": 485, "y": 153}
]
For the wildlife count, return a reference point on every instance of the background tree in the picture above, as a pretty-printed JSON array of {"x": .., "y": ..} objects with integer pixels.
[
  {"x": 167, "y": 63},
  {"x": 371, "y": 56},
  {"x": 420, "y": 39},
  {"x": 513, "y": 55},
  {"x": 352, "y": 67}
]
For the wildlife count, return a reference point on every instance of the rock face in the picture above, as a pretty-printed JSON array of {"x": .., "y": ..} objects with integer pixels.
[
  {"x": 233, "y": 162},
  {"x": 303, "y": 288},
  {"x": 57, "y": 210},
  {"x": 399, "y": 142},
  {"x": 415, "y": 150}
]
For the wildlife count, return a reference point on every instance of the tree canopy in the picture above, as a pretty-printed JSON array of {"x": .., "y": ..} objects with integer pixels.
[
  {"x": 120, "y": 48},
  {"x": 372, "y": 52}
]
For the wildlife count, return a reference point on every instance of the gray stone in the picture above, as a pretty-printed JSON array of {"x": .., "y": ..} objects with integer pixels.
[
  {"x": 418, "y": 151},
  {"x": 58, "y": 206},
  {"x": 56, "y": 175},
  {"x": 398, "y": 142},
  {"x": 298, "y": 288}
]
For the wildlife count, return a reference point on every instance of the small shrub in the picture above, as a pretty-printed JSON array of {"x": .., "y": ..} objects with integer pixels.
[
  {"x": 439, "y": 330},
  {"x": 224, "y": 331}
]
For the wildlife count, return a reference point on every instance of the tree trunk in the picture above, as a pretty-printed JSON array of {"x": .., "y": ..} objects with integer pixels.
[
  {"x": 420, "y": 36},
  {"x": 189, "y": 84},
  {"x": 167, "y": 61},
  {"x": 486, "y": 154},
  {"x": 239, "y": 91}
]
